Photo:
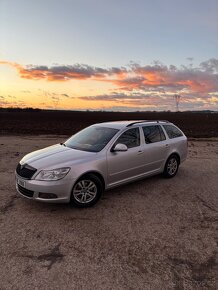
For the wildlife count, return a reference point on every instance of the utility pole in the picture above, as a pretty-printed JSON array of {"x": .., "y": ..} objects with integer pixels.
[{"x": 177, "y": 99}]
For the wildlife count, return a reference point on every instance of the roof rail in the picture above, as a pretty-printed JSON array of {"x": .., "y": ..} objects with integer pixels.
[
  {"x": 136, "y": 122},
  {"x": 144, "y": 121}
]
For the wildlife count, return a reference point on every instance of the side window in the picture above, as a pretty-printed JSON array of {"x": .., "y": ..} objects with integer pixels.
[
  {"x": 172, "y": 131},
  {"x": 131, "y": 138},
  {"x": 153, "y": 134}
]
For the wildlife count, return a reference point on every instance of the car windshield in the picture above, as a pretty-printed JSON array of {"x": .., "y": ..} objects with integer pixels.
[{"x": 92, "y": 139}]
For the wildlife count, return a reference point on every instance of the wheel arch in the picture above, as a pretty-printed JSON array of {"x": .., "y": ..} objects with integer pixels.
[
  {"x": 96, "y": 173},
  {"x": 174, "y": 154}
]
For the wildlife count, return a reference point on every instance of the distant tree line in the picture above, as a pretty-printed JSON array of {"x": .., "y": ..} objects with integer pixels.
[
  {"x": 20, "y": 109},
  {"x": 12, "y": 109}
]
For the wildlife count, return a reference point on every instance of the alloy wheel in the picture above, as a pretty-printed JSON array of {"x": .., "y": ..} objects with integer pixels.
[
  {"x": 85, "y": 191},
  {"x": 172, "y": 166}
]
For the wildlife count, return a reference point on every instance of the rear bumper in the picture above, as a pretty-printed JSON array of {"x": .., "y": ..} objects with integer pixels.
[{"x": 32, "y": 189}]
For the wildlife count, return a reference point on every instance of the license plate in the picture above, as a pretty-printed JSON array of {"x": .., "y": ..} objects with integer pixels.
[{"x": 21, "y": 182}]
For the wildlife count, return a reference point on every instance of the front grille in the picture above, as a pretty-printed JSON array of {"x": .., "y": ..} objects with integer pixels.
[
  {"x": 25, "y": 191},
  {"x": 25, "y": 171}
]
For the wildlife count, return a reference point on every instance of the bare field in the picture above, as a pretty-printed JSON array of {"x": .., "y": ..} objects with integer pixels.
[
  {"x": 193, "y": 124},
  {"x": 152, "y": 234}
]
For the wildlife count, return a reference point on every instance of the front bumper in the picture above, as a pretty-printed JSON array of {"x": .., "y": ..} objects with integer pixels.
[{"x": 32, "y": 189}]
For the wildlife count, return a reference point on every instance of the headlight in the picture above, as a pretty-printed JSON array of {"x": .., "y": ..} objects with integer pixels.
[{"x": 54, "y": 174}]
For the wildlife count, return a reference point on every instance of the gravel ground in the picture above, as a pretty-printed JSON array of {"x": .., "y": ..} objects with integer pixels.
[{"x": 152, "y": 234}]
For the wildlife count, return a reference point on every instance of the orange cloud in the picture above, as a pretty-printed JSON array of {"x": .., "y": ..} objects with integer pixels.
[{"x": 202, "y": 80}]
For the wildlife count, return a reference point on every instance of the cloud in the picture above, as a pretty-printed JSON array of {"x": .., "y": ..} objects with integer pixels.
[
  {"x": 153, "y": 101},
  {"x": 190, "y": 59},
  {"x": 120, "y": 97},
  {"x": 8, "y": 101},
  {"x": 210, "y": 65},
  {"x": 199, "y": 80},
  {"x": 53, "y": 94},
  {"x": 65, "y": 95},
  {"x": 55, "y": 98},
  {"x": 26, "y": 91},
  {"x": 133, "y": 100},
  {"x": 133, "y": 82},
  {"x": 60, "y": 72}
]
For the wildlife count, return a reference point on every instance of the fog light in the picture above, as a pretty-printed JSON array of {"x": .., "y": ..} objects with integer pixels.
[{"x": 47, "y": 195}]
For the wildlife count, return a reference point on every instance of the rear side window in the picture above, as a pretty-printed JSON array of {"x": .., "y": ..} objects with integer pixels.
[
  {"x": 172, "y": 131},
  {"x": 130, "y": 138},
  {"x": 153, "y": 134}
]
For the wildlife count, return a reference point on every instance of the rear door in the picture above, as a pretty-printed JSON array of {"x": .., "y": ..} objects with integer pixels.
[
  {"x": 155, "y": 148},
  {"x": 128, "y": 164}
]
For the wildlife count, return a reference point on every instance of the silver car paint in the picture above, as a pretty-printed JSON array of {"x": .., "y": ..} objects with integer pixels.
[{"x": 115, "y": 167}]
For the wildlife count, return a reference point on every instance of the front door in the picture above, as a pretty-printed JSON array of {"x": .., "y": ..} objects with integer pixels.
[{"x": 126, "y": 164}]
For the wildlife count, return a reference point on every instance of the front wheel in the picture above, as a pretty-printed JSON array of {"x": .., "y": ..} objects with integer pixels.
[
  {"x": 171, "y": 166},
  {"x": 86, "y": 191}
]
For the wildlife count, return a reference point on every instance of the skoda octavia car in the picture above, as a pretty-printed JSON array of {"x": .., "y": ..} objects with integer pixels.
[{"x": 98, "y": 158}]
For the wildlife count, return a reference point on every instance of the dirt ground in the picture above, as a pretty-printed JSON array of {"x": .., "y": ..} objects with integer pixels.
[{"x": 152, "y": 234}]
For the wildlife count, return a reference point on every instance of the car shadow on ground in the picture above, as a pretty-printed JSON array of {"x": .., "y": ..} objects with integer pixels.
[{"x": 108, "y": 197}]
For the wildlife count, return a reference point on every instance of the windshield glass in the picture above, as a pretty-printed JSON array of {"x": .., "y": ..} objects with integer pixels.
[{"x": 92, "y": 139}]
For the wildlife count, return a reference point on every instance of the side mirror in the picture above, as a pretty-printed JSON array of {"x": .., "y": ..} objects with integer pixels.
[{"x": 120, "y": 147}]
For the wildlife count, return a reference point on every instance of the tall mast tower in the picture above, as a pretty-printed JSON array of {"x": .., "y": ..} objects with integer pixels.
[{"x": 177, "y": 99}]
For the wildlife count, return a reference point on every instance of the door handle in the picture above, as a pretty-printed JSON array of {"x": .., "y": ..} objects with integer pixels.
[
  {"x": 166, "y": 145},
  {"x": 140, "y": 152}
]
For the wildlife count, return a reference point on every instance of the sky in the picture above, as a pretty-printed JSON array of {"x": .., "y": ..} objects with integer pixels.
[{"x": 117, "y": 55}]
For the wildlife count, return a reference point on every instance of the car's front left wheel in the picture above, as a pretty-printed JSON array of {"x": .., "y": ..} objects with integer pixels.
[{"x": 86, "y": 191}]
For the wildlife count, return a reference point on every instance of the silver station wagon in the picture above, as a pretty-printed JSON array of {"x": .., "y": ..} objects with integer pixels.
[{"x": 98, "y": 158}]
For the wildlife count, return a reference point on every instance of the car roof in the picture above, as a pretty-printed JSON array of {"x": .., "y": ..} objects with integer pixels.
[{"x": 129, "y": 123}]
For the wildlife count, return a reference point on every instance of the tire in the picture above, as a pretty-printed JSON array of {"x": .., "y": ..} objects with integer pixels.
[
  {"x": 171, "y": 166},
  {"x": 86, "y": 191}
]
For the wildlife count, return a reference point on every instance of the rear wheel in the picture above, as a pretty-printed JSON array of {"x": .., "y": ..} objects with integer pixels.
[
  {"x": 86, "y": 191},
  {"x": 171, "y": 166}
]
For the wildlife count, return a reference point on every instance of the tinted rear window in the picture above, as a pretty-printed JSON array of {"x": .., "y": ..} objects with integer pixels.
[
  {"x": 153, "y": 134},
  {"x": 172, "y": 131}
]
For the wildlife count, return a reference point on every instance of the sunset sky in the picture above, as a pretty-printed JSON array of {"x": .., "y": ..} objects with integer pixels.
[{"x": 116, "y": 55}]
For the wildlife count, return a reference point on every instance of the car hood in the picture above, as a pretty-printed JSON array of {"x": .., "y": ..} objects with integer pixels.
[{"x": 55, "y": 155}]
